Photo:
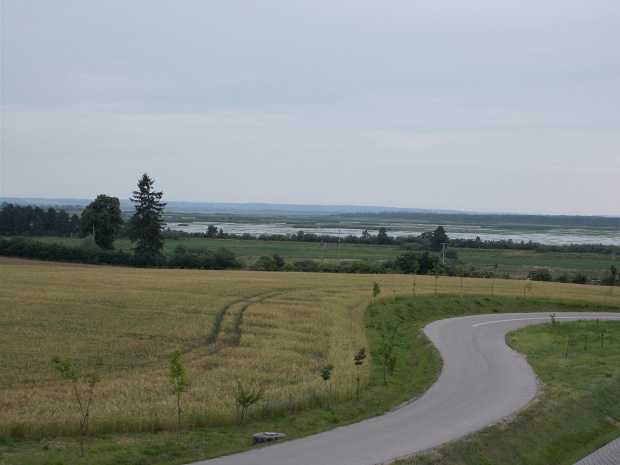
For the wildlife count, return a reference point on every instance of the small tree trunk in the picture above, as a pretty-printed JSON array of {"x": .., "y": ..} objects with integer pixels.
[
  {"x": 384, "y": 371},
  {"x": 82, "y": 438},
  {"x": 179, "y": 421}
]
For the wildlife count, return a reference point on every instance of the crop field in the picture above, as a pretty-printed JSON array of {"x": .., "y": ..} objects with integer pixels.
[
  {"x": 274, "y": 330},
  {"x": 264, "y": 329},
  {"x": 518, "y": 263},
  {"x": 271, "y": 330}
]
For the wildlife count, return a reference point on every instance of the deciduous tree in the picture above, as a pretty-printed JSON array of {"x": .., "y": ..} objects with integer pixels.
[
  {"x": 103, "y": 219},
  {"x": 382, "y": 237},
  {"x": 439, "y": 237}
]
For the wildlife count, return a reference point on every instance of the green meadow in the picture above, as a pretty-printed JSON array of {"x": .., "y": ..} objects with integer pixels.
[
  {"x": 577, "y": 410},
  {"x": 517, "y": 263},
  {"x": 501, "y": 263}
]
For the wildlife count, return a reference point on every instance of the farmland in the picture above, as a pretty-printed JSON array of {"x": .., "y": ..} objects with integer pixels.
[
  {"x": 496, "y": 262},
  {"x": 270, "y": 330},
  {"x": 291, "y": 324}
]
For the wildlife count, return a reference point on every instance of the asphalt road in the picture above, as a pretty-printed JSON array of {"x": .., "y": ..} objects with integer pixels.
[{"x": 482, "y": 381}]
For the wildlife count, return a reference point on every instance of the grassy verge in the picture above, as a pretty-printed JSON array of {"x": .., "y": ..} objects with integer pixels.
[{"x": 577, "y": 412}]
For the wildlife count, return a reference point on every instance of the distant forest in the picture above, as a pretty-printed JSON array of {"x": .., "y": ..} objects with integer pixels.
[
  {"x": 496, "y": 219},
  {"x": 16, "y": 220},
  {"x": 376, "y": 214}
]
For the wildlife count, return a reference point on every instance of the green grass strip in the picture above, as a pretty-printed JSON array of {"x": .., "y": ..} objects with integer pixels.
[{"x": 577, "y": 411}]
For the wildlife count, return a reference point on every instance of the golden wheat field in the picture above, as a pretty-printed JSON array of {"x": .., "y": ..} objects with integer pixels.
[{"x": 269, "y": 330}]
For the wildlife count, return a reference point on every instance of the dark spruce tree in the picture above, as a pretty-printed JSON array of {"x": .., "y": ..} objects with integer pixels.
[
  {"x": 438, "y": 238},
  {"x": 103, "y": 219},
  {"x": 147, "y": 223}
]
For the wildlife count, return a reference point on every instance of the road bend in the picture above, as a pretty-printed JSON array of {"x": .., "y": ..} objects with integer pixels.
[{"x": 482, "y": 381}]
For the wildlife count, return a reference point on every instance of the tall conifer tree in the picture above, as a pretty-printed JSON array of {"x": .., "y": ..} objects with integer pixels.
[{"x": 147, "y": 223}]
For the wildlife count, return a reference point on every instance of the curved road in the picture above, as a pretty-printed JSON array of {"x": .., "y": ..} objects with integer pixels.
[{"x": 482, "y": 381}]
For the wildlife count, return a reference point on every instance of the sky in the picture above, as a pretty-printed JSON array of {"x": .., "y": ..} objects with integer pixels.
[{"x": 485, "y": 106}]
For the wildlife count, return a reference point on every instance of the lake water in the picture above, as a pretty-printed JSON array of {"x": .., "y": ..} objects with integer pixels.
[{"x": 554, "y": 236}]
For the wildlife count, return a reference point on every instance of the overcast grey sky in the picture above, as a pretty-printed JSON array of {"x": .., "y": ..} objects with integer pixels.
[{"x": 510, "y": 106}]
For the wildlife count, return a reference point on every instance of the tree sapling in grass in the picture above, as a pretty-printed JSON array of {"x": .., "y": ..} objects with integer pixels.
[
  {"x": 245, "y": 398},
  {"x": 178, "y": 381},
  {"x": 570, "y": 342},
  {"x": 554, "y": 323},
  {"x": 358, "y": 359},
  {"x": 326, "y": 374},
  {"x": 376, "y": 289},
  {"x": 66, "y": 370},
  {"x": 437, "y": 271}
]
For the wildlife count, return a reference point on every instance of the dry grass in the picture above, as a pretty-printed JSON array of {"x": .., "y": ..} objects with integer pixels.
[{"x": 274, "y": 330}]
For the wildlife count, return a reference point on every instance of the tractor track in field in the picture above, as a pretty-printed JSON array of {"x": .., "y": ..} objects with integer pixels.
[{"x": 233, "y": 337}]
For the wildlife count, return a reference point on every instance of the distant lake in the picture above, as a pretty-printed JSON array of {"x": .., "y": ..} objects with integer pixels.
[{"x": 543, "y": 235}]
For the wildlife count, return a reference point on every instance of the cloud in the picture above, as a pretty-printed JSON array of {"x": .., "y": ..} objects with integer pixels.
[{"x": 508, "y": 106}]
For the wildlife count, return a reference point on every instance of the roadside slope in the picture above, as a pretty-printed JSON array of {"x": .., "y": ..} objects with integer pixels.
[{"x": 482, "y": 381}]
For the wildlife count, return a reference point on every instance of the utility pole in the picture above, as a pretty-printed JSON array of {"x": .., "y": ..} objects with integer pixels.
[
  {"x": 338, "y": 246},
  {"x": 443, "y": 252}
]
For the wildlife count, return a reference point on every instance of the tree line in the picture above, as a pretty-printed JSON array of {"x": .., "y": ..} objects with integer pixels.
[
  {"x": 17, "y": 220},
  {"x": 102, "y": 220},
  {"x": 428, "y": 240},
  {"x": 488, "y": 218}
]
